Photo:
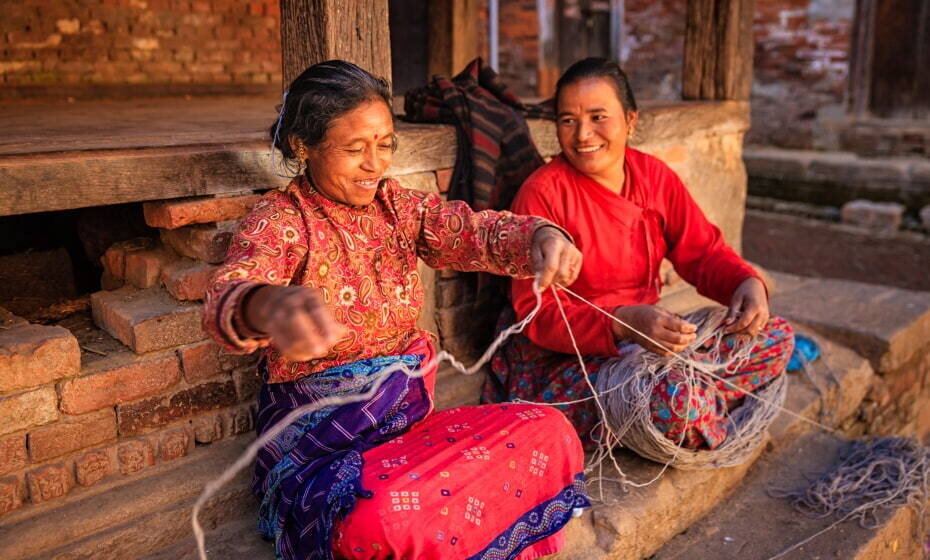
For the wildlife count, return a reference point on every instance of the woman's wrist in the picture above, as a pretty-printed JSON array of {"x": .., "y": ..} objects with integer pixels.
[{"x": 251, "y": 308}]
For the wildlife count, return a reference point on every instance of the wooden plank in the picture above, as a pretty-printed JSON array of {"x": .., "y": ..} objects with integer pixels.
[
  {"x": 316, "y": 30},
  {"x": 733, "y": 78},
  {"x": 860, "y": 59},
  {"x": 44, "y": 182},
  {"x": 717, "y": 63},
  {"x": 59, "y": 181},
  {"x": 698, "y": 47},
  {"x": 548, "y": 69},
  {"x": 453, "y": 35}
]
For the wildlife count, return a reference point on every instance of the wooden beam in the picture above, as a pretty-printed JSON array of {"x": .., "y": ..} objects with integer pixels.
[
  {"x": 316, "y": 30},
  {"x": 453, "y": 35},
  {"x": 860, "y": 59},
  {"x": 718, "y": 50}
]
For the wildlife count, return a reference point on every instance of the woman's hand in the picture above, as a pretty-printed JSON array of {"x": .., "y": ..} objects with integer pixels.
[
  {"x": 673, "y": 332},
  {"x": 749, "y": 309},
  {"x": 555, "y": 258},
  {"x": 295, "y": 319}
]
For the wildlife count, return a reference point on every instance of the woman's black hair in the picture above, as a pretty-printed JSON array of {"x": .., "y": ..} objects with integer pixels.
[
  {"x": 320, "y": 94},
  {"x": 594, "y": 67}
]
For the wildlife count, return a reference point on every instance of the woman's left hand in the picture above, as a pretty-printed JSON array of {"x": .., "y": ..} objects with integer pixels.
[
  {"x": 749, "y": 309},
  {"x": 555, "y": 258}
]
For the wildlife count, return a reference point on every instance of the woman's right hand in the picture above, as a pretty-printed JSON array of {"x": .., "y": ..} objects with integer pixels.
[
  {"x": 295, "y": 319},
  {"x": 660, "y": 325}
]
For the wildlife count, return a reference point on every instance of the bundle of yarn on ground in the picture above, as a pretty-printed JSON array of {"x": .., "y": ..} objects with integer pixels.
[{"x": 625, "y": 385}]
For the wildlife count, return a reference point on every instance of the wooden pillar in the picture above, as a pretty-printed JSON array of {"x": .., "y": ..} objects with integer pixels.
[
  {"x": 548, "y": 69},
  {"x": 718, "y": 50},
  {"x": 316, "y": 30},
  {"x": 453, "y": 35}
]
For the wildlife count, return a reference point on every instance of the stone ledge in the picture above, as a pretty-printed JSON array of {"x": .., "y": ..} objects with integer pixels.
[
  {"x": 843, "y": 378},
  {"x": 836, "y": 177},
  {"x": 110, "y": 521},
  {"x": 889, "y": 326}
]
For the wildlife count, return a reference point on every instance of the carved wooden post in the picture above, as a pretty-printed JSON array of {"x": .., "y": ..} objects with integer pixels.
[
  {"x": 316, "y": 30},
  {"x": 453, "y": 35},
  {"x": 718, "y": 50}
]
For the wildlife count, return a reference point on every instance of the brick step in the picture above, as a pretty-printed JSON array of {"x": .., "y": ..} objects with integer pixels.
[
  {"x": 751, "y": 525},
  {"x": 131, "y": 516}
]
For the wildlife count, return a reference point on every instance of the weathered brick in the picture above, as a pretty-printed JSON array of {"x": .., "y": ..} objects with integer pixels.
[
  {"x": 174, "y": 444},
  {"x": 207, "y": 243},
  {"x": 10, "y": 495},
  {"x": 25, "y": 410},
  {"x": 49, "y": 482},
  {"x": 172, "y": 214},
  {"x": 114, "y": 259},
  {"x": 239, "y": 420},
  {"x": 33, "y": 355},
  {"x": 444, "y": 179},
  {"x": 208, "y": 429},
  {"x": 92, "y": 467},
  {"x": 137, "y": 417},
  {"x": 200, "y": 360},
  {"x": 112, "y": 384},
  {"x": 186, "y": 279},
  {"x": 12, "y": 454},
  {"x": 135, "y": 455},
  {"x": 144, "y": 268},
  {"x": 247, "y": 381},
  {"x": 71, "y": 434},
  {"x": 883, "y": 216},
  {"x": 146, "y": 320}
]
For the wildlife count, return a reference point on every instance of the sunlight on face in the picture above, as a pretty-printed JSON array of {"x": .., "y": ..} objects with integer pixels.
[
  {"x": 348, "y": 165},
  {"x": 593, "y": 128}
]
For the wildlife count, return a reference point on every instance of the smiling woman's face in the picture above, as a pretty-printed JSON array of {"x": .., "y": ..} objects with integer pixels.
[
  {"x": 349, "y": 163},
  {"x": 593, "y": 127}
]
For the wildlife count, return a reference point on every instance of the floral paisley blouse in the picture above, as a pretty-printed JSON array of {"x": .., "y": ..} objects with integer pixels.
[{"x": 362, "y": 259}]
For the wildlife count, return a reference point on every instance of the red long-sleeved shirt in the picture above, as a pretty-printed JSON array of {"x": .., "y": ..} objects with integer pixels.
[{"x": 624, "y": 238}]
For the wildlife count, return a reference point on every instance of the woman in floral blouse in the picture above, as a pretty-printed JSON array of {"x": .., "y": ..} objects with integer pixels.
[{"x": 322, "y": 277}]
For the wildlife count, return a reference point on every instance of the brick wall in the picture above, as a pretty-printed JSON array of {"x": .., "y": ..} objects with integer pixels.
[
  {"x": 801, "y": 59},
  {"x": 518, "y": 41},
  {"x": 87, "y": 45},
  {"x": 801, "y": 66},
  {"x": 85, "y": 401}
]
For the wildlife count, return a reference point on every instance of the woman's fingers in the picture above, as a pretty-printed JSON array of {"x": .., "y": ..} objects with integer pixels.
[
  {"x": 329, "y": 329},
  {"x": 296, "y": 336},
  {"x": 554, "y": 258},
  {"x": 569, "y": 265},
  {"x": 298, "y": 322}
]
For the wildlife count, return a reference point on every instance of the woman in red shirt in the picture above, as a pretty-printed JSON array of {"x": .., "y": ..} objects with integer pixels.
[{"x": 626, "y": 211}]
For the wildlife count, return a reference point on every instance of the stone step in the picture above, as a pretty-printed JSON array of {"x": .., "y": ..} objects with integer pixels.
[
  {"x": 889, "y": 326},
  {"x": 833, "y": 178},
  {"x": 635, "y": 524},
  {"x": 751, "y": 525},
  {"x": 131, "y": 516}
]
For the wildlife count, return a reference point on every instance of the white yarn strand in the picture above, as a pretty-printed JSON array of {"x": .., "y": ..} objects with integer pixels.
[{"x": 613, "y": 437}]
